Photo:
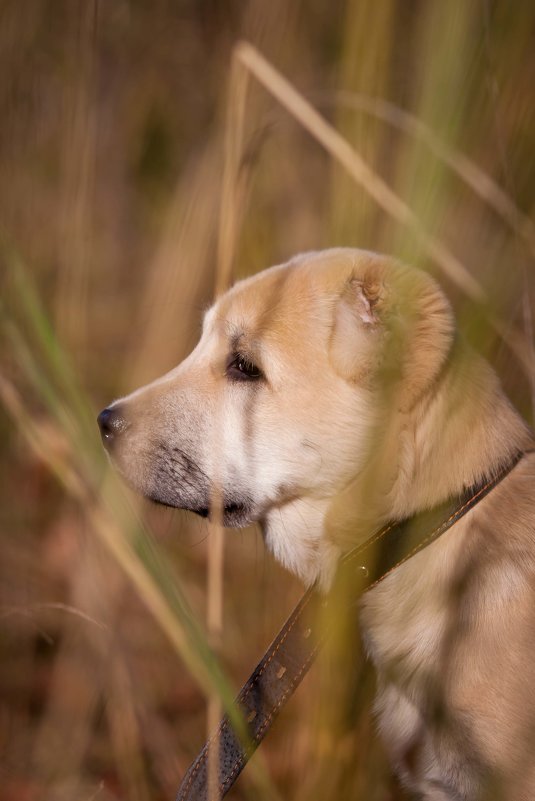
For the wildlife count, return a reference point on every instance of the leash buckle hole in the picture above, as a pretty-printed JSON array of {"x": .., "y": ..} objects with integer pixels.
[{"x": 280, "y": 672}]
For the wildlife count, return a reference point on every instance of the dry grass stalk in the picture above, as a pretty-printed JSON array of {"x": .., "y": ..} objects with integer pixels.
[
  {"x": 232, "y": 188},
  {"x": 108, "y": 530},
  {"x": 373, "y": 184},
  {"x": 229, "y": 220},
  {"x": 350, "y": 159},
  {"x": 467, "y": 170},
  {"x": 117, "y": 527}
]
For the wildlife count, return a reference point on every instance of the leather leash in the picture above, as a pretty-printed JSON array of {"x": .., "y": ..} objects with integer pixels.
[{"x": 293, "y": 650}]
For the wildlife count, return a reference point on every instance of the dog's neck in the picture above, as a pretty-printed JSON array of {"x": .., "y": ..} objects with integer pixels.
[
  {"x": 436, "y": 457},
  {"x": 416, "y": 459}
]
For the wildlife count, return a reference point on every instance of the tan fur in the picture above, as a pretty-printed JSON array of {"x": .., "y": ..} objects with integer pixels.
[{"x": 370, "y": 408}]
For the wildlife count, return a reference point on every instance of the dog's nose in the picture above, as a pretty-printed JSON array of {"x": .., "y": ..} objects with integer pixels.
[{"x": 112, "y": 424}]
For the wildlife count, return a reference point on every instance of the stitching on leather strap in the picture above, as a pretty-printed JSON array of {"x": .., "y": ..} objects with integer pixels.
[
  {"x": 201, "y": 759},
  {"x": 269, "y": 717}
]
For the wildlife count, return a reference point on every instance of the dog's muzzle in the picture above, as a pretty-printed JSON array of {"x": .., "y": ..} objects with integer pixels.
[{"x": 112, "y": 424}]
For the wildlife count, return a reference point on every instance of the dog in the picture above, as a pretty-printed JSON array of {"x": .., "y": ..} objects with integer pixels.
[{"x": 326, "y": 396}]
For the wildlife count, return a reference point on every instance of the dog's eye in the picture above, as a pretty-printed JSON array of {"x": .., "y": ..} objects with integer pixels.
[{"x": 240, "y": 368}]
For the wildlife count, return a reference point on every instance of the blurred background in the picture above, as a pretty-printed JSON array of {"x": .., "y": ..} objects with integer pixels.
[{"x": 121, "y": 132}]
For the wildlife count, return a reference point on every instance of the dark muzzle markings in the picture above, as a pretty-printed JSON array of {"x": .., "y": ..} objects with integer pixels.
[{"x": 173, "y": 477}]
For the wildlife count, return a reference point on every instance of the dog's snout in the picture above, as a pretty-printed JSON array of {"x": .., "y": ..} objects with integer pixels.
[{"x": 112, "y": 423}]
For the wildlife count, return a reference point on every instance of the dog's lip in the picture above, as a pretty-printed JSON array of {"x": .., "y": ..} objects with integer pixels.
[
  {"x": 236, "y": 514},
  {"x": 202, "y": 512}
]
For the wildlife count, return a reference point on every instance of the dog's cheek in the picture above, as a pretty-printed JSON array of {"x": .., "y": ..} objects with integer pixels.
[
  {"x": 230, "y": 442},
  {"x": 255, "y": 455}
]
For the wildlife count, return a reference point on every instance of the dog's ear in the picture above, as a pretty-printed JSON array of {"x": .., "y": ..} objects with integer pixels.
[
  {"x": 358, "y": 330},
  {"x": 427, "y": 333},
  {"x": 394, "y": 326}
]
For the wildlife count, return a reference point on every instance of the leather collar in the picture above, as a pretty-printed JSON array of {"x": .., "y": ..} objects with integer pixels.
[{"x": 295, "y": 647}]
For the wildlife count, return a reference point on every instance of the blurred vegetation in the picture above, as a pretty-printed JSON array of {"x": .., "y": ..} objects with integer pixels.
[{"x": 112, "y": 152}]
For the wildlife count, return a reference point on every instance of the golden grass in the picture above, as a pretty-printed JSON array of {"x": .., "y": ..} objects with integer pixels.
[{"x": 118, "y": 236}]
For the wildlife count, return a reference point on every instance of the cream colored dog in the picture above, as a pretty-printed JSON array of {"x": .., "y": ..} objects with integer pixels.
[{"x": 326, "y": 396}]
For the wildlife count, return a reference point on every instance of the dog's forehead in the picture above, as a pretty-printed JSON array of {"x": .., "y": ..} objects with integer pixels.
[
  {"x": 260, "y": 302},
  {"x": 281, "y": 300}
]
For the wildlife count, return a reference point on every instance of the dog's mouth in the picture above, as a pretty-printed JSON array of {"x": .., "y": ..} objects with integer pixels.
[
  {"x": 235, "y": 514},
  {"x": 178, "y": 483}
]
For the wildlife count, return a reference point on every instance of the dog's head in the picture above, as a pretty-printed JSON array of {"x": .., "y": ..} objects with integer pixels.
[{"x": 270, "y": 416}]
